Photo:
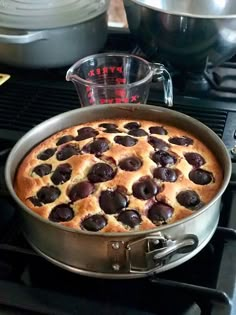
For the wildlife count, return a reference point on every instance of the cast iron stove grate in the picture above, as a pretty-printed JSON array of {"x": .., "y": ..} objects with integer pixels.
[{"x": 23, "y": 106}]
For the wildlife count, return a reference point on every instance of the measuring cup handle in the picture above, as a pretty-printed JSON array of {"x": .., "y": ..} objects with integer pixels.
[{"x": 164, "y": 76}]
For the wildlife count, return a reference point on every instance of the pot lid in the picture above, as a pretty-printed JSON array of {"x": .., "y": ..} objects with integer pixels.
[{"x": 43, "y": 14}]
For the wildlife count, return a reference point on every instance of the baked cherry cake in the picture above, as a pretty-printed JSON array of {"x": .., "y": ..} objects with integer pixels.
[{"x": 118, "y": 175}]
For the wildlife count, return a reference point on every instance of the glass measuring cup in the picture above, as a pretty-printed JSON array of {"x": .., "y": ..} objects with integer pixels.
[{"x": 110, "y": 78}]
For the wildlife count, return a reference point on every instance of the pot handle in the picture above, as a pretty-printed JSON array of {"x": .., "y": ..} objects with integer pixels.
[
  {"x": 159, "y": 249},
  {"x": 29, "y": 37}
]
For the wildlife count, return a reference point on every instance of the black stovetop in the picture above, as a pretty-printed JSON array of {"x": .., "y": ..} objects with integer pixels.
[{"x": 29, "y": 284}]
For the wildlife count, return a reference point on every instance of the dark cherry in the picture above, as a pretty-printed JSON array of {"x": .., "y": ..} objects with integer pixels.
[
  {"x": 132, "y": 125},
  {"x": 188, "y": 198},
  {"x": 110, "y": 128},
  {"x": 158, "y": 130},
  {"x": 97, "y": 147},
  {"x": 85, "y": 133},
  {"x": 108, "y": 125},
  {"x": 112, "y": 131},
  {"x": 145, "y": 189},
  {"x": 166, "y": 174},
  {"x": 112, "y": 201},
  {"x": 65, "y": 139},
  {"x": 66, "y": 152},
  {"x": 130, "y": 218},
  {"x": 164, "y": 158},
  {"x": 48, "y": 194},
  {"x": 100, "y": 172},
  {"x": 46, "y": 154},
  {"x": 42, "y": 169},
  {"x": 94, "y": 223},
  {"x": 158, "y": 143},
  {"x": 184, "y": 141},
  {"x": 81, "y": 190},
  {"x": 194, "y": 159},
  {"x": 61, "y": 213},
  {"x": 200, "y": 177},
  {"x": 61, "y": 174},
  {"x": 130, "y": 164},
  {"x": 137, "y": 132},
  {"x": 126, "y": 141},
  {"x": 35, "y": 201},
  {"x": 160, "y": 212}
]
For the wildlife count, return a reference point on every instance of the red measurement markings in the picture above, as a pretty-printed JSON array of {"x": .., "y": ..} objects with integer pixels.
[
  {"x": 105, "y": 70},
  {"x": 133, "y": 99}
]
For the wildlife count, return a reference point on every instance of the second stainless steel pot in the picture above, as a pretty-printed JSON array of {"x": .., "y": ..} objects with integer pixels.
[
  {"x": 119, "y": 255},
  {"x": 187, "y": 33}
]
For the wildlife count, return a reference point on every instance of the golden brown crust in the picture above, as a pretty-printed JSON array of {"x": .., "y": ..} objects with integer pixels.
[{"x": 27, "y": 183}]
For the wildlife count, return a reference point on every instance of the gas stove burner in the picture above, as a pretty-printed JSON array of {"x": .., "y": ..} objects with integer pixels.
[
  {"x": 210, "y": 83},
  {"x": 222, "y": 78},
  {"x": 184, "y": 81},
  {"x": 194, "y": 83}
]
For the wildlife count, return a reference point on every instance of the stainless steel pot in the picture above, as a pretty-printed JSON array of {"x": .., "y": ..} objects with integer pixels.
[
  {"x": 185, "y": 33},
  {"x": 119, "y": 255},
  {"x": 43, "y": 35}
]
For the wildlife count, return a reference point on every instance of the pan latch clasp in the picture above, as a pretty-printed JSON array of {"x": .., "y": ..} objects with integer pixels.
[{"x": 148, "y": 254}]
